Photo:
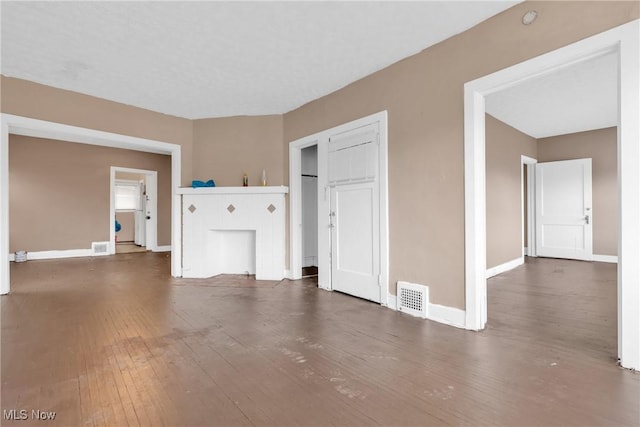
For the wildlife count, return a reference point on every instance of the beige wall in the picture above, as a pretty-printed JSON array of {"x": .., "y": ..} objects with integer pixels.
[
  {"x": 130, "y": 176},
  {"x": 228, "y": 147},
  {"x": 424, "y": 98},
  {"x": 504, "y": 148},
  {"x": 59, "y": 192},
  {"x": 601, "y": 147},
  {"x": 24, "y": 98}
]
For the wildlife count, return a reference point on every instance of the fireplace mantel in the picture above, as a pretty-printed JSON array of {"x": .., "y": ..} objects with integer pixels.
[
  {"x": 233, "y": 230},
  {"x": 234, "y": 190}
]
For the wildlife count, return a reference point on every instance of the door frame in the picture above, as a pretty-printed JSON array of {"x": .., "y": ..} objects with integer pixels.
[
  {"x": 26, "y": 126},
  {"x": 531, "y": 204},
  {"x": 295, "y": 201},
  {"x": 151, "y": 187},
  {"x": 625, "y": 41},
  {"x": 302, "y": 219}
]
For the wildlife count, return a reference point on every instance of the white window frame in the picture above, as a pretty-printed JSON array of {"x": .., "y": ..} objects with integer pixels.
[{"x": 127, "y": 183}]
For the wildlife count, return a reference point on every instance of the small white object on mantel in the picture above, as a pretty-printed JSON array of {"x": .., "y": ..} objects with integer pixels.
[{"x": 234, "y": 230}]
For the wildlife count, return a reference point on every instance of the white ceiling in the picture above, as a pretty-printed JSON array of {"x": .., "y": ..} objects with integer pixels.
[
  {"x": 578, "y": 98},
  {"x": 216, "y": 59}
]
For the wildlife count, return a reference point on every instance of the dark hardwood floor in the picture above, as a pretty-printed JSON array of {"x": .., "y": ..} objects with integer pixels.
[{"x": 114, "y": 341}]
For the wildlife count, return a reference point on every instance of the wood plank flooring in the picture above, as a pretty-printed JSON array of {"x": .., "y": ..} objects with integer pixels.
[
  {"x": 114, "y": 341},
  {"x": 129, "y": 247}
]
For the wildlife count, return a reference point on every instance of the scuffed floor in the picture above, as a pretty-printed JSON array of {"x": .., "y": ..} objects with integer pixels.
[{"x": 114, "y": 341}]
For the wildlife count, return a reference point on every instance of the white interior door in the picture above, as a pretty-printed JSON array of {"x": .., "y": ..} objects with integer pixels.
[
  {"x": 564, "y": 220},
  {"x": 355, "y": 246},
  {"x": 355, "y": 213}
]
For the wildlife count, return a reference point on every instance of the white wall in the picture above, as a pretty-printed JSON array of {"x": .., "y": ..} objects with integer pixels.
[{"x": 310, "y": 206}]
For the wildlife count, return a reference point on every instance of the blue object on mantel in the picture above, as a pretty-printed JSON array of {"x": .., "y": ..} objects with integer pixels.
[{"x": 195, "y": 183}]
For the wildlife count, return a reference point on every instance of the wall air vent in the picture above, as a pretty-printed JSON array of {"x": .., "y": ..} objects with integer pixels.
[
  {"x": 413, "y": 299},
  {"x": 99, "y": 248}
]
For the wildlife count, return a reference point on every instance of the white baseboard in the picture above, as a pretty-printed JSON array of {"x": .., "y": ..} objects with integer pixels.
[
  {"x": 66, "y": 253},
  {"x": 287, "y": 274},
  {"x": 525, "y": 251},
  {"x": 448, "y": 315},
  {"x": 438, "y": 313},
  {"x": 392, "y": 302},
  {"x": 166, "y": 248},
  {"x": 606, "y": 258},
  {"x": 494, "y": 271}
]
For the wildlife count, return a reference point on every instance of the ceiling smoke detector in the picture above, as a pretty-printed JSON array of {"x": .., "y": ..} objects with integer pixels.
[{"x": 529, "y": 17}]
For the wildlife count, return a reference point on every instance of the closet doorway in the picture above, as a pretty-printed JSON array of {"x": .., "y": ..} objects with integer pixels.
[{"x": 309, "y": 179}]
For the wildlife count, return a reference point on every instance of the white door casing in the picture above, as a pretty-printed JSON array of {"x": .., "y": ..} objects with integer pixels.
[
  {"x": 528, "y": 192},
  {"x": 564, "y": 221}
]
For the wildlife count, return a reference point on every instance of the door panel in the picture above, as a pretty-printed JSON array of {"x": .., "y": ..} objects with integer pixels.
[
  {"x": 564, "y": 220},
  {"x": 355, "y": 212},
  {"x": 355, "y": 245}
]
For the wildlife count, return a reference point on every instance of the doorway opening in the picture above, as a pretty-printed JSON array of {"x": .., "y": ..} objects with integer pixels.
[
  {"x": 133, "y": 210},
  {"x": 624, "y": 42},
  {"x": 18, "y": 125},
  {"x": 309, "y": 178}
]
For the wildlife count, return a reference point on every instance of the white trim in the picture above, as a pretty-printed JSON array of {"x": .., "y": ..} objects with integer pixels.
[
  {"x": 57, "y": 254},
  {"x": 613, "y": 259},
  {"x": 165, "y": 248},
  {"x": 392, "y": 302},
  {"x": 287, "y": 274},
  {"x": 502, "y": 268},
  {"x": 448, "y": 315},
  {"x": 295, "y": 201},
  {"x": 176, "y": 214},
  {"x": 531, "y": 197},
  {"x": 26, "y": 126},
  {"x": 274, "y": 189},
  {"x": 4, "y": 209},
  {"x": 624, "y": 40},
  {"x": 438, "y": 313}
]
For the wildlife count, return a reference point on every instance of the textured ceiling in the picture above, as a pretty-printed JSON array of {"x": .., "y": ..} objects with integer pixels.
[
  {"x": 578, "y": 98},
  {"x": 216, "y": 59}
]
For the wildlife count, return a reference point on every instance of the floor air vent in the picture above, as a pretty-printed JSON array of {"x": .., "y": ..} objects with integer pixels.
[
  {"x": 100, "y": 248},
  {"x": 413, "y": 299}
]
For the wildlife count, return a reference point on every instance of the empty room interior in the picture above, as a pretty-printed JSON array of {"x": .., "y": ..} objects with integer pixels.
[{"x": 320, "y": 213}]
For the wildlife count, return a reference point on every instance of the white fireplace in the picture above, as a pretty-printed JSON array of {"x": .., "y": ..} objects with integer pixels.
[{"x": 233, "y": 230}]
